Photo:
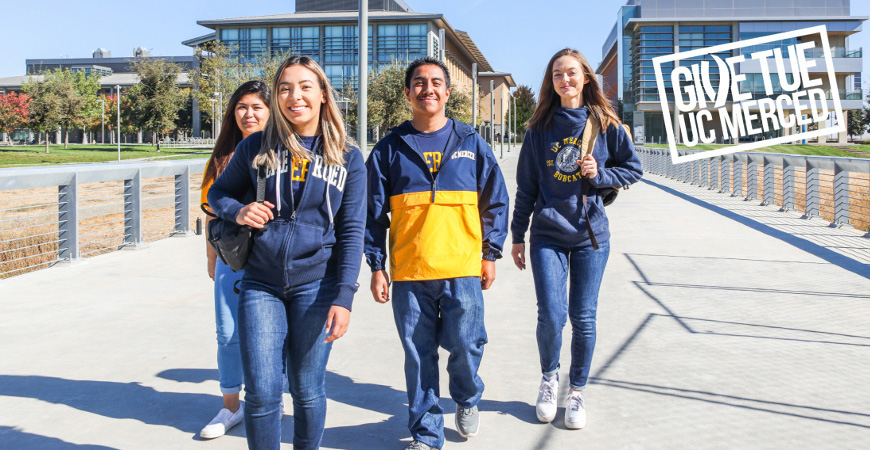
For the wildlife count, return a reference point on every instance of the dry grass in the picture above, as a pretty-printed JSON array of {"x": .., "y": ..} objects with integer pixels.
[{"x": 29, "y": 221}]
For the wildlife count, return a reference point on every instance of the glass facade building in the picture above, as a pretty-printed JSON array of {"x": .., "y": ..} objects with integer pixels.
[
  {"x": 335, "y": 46},
  {"x": 646, "y": 29}
]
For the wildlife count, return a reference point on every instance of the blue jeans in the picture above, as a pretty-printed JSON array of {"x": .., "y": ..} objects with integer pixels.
[
  {"x": 448, "y": 313},
  {"x": 226, "y": 310},
  {"x": 551, "y": 267},
  {"x": 278, "y": 329}
]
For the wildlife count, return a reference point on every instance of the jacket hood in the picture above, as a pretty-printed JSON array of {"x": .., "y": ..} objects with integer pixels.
[{"x": 570, "y": 118}]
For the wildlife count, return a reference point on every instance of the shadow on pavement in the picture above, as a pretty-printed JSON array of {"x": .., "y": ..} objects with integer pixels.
[
  {"x": 822, "y": 252},
  {"x": 190, "y": 375},
  {"x": 11, "y": 437},
  {"x": 187, "y": 412}
]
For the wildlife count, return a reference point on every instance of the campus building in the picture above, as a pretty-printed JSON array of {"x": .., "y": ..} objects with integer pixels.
[
  {"x": 646, "y": 29},
  {"x": 327, "y": 32},
  {"x": 114, "y": 72}
]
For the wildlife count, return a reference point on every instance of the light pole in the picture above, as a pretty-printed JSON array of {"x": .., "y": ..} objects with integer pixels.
[
  {"x": 491, "y": 113},
  {"x": 220, "y": 108},
  {"x": 515, "y": 115},
  {"x": 118, "y": 98},
  {"x": 362, "y": 117},
  {"x": 102, "y": 121},
  {"x": 212, "y": 116}
]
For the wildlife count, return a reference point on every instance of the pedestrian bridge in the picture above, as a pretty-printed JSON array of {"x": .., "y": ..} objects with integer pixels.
[{"x": 721, "y": 324}]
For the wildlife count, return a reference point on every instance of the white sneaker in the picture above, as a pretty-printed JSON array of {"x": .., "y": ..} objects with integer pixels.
[
  {"x": 575, "y": 411},
  {"x": 222, "y": 422},
  {"x": 546, "y": 405}
]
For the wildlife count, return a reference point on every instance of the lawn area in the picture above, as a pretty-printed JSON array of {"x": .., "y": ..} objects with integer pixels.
[
  {"x": 793, "y": 149},
  {"x": 34, "y": 155}
]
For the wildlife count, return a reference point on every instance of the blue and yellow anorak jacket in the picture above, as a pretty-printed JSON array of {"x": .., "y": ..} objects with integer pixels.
[{"x": 441, "y": 223}]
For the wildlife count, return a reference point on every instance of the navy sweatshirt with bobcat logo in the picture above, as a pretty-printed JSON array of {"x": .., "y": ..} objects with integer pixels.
[{"x": 549, "y": 182}]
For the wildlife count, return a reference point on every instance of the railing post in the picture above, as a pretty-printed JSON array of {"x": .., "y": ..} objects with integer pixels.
[
  {"x": 685, "y": 170},
  {"x": 696, "y": 172},
  {"x": 68, "y": 220},
  {"x": 705, "y": 170},
  {"x": 738, "y": 178},
  {"x": 133, "y": 210},
  {"x": 841, "y": 196},
  {"x": 752, "y": 180},
  {"x": 714, "y": 173},
  {"x": 769, "y": 181},
  {"x": 182, "y": 201},
  {"x": 788, "y": 186},
  {"x": 725, "y": 169},
  {"x": 813, "y": 182}
]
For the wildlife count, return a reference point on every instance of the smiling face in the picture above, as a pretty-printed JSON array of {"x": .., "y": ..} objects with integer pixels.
[
  {"x": 568, "y": 79},
  {"x": 251, "y": 114},
  {"x": 300, "y": 97},
  {"x": 429, "y": 92}
]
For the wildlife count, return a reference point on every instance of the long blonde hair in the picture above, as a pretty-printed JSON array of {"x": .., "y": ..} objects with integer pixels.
[
  {"x": 279, "y": 130},
  {"x": 593, "y": 98}
]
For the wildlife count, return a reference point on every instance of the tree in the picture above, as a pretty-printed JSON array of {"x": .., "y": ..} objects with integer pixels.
[
  {"x": 222, "y": 71},
  {"x": 855, "y": 124},
  {"x": 388, "y": 107},
  {"x": 13, "y": 112},
  {"x": 459, "y": 105},
  {"x": 61, "y": 98},
  {"x": 155, "y": 101},
  {"x": 525, "y": 105}
]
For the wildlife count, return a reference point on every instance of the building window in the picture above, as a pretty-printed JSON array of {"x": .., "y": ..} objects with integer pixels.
[
  {"x": 340, "y": 44},
  {"x": 303, "y": 41},
  {"x": 246, "y": 43},
  {"x": 650, "y": 42},
  {"x": 402, "y": 42}
]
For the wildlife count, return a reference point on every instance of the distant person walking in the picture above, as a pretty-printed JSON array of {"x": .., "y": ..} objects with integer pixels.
[
  {"x": 247, "y": 113},
  {"x": 301, "y": 275},
  {"x": 436, "y": 186},
  {"x": 569, "y": 246}
]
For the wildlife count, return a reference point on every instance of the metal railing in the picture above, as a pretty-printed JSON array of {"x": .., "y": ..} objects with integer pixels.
[
  {"x": 65, "y": 213},
  {"x": 187, "y": 143},
  {"x": 832, "y": 188}
]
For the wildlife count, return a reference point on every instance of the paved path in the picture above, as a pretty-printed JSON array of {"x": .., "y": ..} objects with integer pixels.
[{"x": 717, "y": 329}]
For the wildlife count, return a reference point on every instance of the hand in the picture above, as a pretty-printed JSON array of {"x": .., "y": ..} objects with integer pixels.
[
  {"x": 518, "y": 254},
  {"x": 255, "y": 214},
  {"x": 588, "y": 166},
  {"x": 212, "y": 261},
  {"x": 381, "y": 286},
  {"x": 336, "y": 322},
  {"x": 487, "y": 274}
]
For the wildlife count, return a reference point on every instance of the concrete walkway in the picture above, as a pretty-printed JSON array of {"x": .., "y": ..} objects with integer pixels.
[{"x": 717, "y": 329}]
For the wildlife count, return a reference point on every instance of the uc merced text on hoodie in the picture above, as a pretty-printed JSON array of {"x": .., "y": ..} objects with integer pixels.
[
  {"x": 322, "y": 237},
  {"x": 549, "y": 182}
]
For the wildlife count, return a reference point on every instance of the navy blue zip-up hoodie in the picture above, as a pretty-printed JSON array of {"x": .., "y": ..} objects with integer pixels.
[
  {"x": 549, "y": 182},
  {"x": 323, "y": 236}
]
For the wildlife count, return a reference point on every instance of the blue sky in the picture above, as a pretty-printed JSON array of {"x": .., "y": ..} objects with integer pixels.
[{"x": 515, "y": 36}]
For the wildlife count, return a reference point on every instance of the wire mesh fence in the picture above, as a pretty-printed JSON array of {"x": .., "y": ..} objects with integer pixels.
[
  {"x": 834, "y": 189},
  {"x": 57, "y": 214}
]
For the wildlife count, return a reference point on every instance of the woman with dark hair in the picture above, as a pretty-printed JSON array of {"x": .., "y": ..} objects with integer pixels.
[
  {"x": 569, "y": 231},
  {"x": 301, "y": 274},
  {"x": 247, "y": 113}
]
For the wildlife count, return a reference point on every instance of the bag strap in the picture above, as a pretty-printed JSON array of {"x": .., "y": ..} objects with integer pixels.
[
  {"x": 587, "y": 143},
  {"x": 261, "y": 184}
]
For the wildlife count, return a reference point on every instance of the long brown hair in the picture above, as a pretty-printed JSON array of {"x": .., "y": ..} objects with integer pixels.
[
  {"x": 279, "y": 130},
  {"x": 230, "y": 134},
  {"x": 593, "y": 98}
]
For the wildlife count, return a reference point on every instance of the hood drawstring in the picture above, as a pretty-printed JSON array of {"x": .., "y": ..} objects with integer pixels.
[
  {"x": 278, "y": 181},
  {"x": 329, "y": 207}
]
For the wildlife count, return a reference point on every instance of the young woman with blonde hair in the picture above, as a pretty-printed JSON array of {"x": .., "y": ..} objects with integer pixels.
[
  {"x": 301, "y": 274},
  {"x": 569, "y": 232}
]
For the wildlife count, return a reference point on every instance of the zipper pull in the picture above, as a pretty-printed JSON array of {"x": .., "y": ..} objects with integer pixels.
[
  {"x": 433, "y": 192},
  {"x": 293, "y": 216}
]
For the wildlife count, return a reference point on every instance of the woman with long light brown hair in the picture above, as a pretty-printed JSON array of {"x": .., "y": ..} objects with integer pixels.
[
  {"x": 569, "y": 232},
  {"x": 301, "y": 274}
]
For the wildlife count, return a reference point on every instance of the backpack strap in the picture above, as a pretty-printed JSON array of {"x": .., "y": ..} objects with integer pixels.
[{"x": 587, "y": 143}]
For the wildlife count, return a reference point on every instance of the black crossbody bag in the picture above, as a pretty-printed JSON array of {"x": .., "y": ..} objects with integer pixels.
[{"x": 233, "y": 242}]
